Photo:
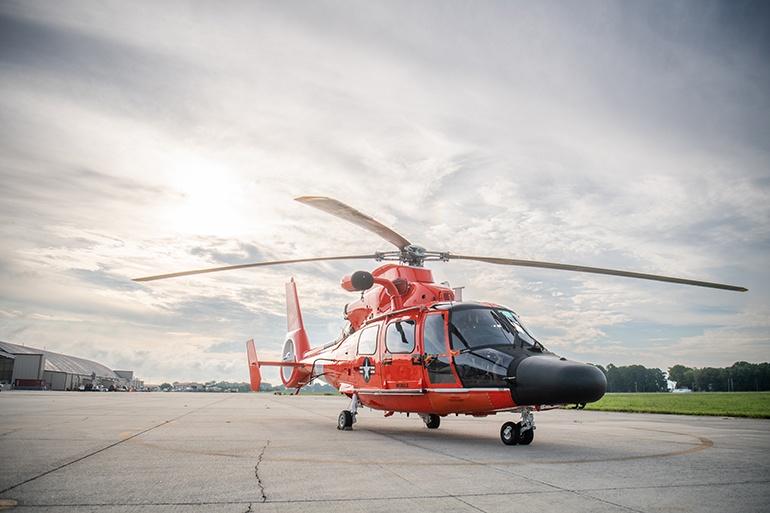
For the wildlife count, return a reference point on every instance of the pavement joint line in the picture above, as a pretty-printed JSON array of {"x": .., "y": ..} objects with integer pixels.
[
  {"x": 250, "y": 503},
  {"x": 110, "y": 446},
  {"x": 458, "y": 497},
  {"x": 677, "y": 485},
  {"x": 605, "y": 501}
]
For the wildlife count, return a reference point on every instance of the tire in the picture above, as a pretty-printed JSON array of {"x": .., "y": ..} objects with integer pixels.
[
  {"x": 509, "y": 433},
  {"x": 526, "y": 437},
  {"x": 345, "y": 420},
  {"x": 433, "y": 421}
]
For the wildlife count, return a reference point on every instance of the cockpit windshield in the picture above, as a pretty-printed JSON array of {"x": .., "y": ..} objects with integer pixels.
[
  {"x": 471, "y": 328},
  {"x": 486, "y": 342}
]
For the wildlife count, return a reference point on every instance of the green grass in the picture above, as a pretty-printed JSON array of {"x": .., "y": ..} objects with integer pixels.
[{"x": 754, "y": 405}]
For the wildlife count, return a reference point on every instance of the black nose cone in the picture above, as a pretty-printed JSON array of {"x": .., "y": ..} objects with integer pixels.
[{"x": 552, "y": 380}]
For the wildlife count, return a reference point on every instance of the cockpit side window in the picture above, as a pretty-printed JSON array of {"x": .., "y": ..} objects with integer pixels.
[
  {"x": 436, "y": 355},
  {"x": 433, "y": 338},
  {"x": 367, "y": 341},
  {"x": 399, "y": 337}
]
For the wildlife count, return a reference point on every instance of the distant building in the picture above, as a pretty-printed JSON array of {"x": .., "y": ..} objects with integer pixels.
[
  {"x": 189, "y": 386},
  {"x": 28, "y": 367},
  {"x": 133, "y": 382}
]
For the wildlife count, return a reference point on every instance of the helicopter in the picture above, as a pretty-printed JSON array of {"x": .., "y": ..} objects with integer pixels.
[{"x": 411, "y": 345}]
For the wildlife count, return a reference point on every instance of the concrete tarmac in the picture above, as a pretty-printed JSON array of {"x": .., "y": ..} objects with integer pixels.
[{"x": 198, "y": 452}]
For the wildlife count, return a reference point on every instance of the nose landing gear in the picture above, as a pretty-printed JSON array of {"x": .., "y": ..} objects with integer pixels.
[{"x": 521, "y": 433}]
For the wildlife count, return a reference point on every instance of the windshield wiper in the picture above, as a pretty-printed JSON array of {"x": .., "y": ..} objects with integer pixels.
[
  {"x": 453, "y": 330},
  {"x": 515, "y": 329}
]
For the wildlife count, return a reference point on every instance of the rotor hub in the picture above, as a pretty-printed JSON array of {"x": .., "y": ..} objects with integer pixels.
[{"x": 412, "y": 255}]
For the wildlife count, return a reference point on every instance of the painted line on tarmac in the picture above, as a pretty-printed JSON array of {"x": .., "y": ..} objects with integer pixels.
[{"x": 703, "y": 443}]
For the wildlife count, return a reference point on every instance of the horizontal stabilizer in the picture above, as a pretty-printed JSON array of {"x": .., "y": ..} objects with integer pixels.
[{"x": 284, "y": 364}]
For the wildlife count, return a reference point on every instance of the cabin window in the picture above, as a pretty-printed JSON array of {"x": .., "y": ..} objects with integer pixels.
[
  {"x": 367, "y": 340},
  {"x": 399, "y": 338}
]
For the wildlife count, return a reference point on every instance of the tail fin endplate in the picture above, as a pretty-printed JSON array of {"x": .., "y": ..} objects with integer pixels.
[{"x": 255, "y": 376}]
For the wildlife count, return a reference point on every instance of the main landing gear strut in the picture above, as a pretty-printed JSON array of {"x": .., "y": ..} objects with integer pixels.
[
  {"x": 348, "y": 417},
  {"x": 521, "y": 433},
  {"x": 431, "y": 420}
]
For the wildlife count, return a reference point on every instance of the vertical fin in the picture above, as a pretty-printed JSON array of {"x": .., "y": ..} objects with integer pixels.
[
  {"x": 254, "y": 373},
  {"x": 294, "y": 324},
  {"x": 293, "y": 313}
]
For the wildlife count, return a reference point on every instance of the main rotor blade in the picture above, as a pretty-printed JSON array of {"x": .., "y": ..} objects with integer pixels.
[
  {"x": 596, "y": 270},
  {"x": 350, "y": 214},
  {"x": 256, "y": 264}
]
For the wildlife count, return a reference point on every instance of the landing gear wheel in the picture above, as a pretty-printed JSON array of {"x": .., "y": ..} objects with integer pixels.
[
  {"x": 433, "y": 421},
  {"x": 526, "y": 437},
  {"x": 345, "y": 420},
  {"x": 509, "y": 433}
]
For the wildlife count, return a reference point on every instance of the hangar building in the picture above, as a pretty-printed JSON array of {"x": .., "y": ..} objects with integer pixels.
[{"x": 28, "y": 367}]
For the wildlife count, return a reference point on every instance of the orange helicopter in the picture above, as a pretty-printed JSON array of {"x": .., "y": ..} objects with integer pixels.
[{"x": 411, "y": 345}]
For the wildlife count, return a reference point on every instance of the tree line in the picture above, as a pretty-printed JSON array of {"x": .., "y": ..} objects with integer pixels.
[{"x": 740, "y": 377}]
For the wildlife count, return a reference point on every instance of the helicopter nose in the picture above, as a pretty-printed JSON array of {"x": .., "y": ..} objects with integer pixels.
[{"x": 553, "y": 380}]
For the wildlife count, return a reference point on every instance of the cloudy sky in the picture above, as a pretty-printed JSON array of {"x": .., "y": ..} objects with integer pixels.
[{"x": 138, "y": 138}]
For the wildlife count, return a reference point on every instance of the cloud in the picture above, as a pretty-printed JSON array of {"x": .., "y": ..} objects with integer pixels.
[{"x": 158, "y": 138}]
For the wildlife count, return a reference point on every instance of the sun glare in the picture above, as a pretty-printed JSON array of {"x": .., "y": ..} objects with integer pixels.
[{"x": 207, "y": 199}]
